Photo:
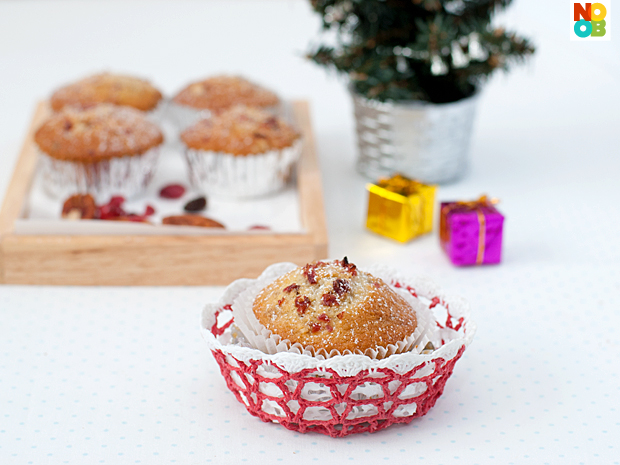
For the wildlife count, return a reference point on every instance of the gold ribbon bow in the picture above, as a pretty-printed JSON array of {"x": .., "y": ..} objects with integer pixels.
[
  {"x": 399, "y": 184},
  {"x": 473, "y": 205}
]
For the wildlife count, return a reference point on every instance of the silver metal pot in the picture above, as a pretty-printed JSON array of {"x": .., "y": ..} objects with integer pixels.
[{"x": 424, "y": 141}]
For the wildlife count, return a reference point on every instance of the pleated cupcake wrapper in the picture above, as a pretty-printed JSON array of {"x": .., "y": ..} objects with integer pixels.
[
  {"x": 126, "y": 176},
  {"x": 240, "y": 176},
  {"x": 254, "y": 334},
  {"x": 184, "y": 116}
]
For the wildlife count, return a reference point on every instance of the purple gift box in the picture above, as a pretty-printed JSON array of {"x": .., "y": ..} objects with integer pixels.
[{"x": 471, "y": 232}]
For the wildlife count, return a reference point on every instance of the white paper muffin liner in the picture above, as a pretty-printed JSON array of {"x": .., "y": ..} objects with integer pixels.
[
  {"x": 240, "y": 176},
  {"x": 126, "y": 176},
  {"x": 259, "y": 337}
]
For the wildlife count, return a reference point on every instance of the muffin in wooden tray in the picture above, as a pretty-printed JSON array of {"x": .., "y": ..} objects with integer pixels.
[{"x": 103, "y": 150}]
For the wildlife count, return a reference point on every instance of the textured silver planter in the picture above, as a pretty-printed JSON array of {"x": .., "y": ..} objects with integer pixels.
[{"x": 425, "y": 141}]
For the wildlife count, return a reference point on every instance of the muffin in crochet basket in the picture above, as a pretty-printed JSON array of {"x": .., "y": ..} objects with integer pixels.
[{"x": 330, "y": 391}]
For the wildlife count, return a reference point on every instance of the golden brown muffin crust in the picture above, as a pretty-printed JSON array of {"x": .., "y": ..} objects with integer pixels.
[
  {"x": 107, "y": 88},
  {"x": 221, "y": 92},
  {"x": 98, "y": 133},
  {"x": 333, "y": 305},
  {"x": 240, "y": 131}
]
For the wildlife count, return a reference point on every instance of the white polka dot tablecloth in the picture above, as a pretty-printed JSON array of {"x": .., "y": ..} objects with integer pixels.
[
  {"x": 92, "y": 375},
  {"x": 96, "y": 375}
]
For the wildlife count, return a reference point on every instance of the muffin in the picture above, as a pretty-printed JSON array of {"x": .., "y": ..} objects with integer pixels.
[
  {"x": 334, "y": 306},
  {"x": 241, "y": 152},
  {"x": 330, "y": 308},
  {"x": 204, "y": 98},
  {"x": 107, "y": 88},
  {"x": 103, "y": 150},
  {"x": 339, "y": 393}
]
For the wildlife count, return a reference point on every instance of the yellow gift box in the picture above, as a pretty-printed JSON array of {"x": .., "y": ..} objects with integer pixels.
[{"x": 400, "y": 208}]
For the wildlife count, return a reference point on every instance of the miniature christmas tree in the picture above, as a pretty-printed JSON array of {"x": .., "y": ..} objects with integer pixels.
[{"x": 433, "y": 50}]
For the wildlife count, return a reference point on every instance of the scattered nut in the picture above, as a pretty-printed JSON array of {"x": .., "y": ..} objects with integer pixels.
[
  {"x": 192, "y": 220},
  {"x": 79, "y": 206}
]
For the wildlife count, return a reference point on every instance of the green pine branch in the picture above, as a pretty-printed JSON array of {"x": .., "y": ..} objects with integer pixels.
[{"x": 436, "y": 50}]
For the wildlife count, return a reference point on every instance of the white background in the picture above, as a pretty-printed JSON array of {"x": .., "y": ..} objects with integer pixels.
[{"x": 120, "y": 375}]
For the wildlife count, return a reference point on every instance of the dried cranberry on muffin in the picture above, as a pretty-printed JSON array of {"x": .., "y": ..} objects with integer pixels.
[
  {"x": 334, "y": 306},
  {"x": 221, "y": 92},
  {"x": 241, "y": 152},
  {"x": 107, "y": 88},
  {"x": 103, "y": 150}
]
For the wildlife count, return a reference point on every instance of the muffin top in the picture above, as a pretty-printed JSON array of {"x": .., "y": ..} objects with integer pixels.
[
  {"x": 221, "y": 92},
  {"x": 240, "y": 130},
  {"x": 334, "y": 305},
  {"x": 97, "y": 133},
  {"x": 107, "y": 88}
]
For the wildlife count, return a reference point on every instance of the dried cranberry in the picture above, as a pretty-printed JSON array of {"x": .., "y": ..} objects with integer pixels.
[
  {"x": 196, "y": 205},
  {"x": 350, "y": 267},
  {"x": 112, "y": 209},
  {"x": 117, "y": 200},
  {"x": 172, "y": 191},
  {"x": 272, "y": 122},
  {"x": 329, "y": 328},
  {"x": 340, "y": 315},
  {"x": 302, "y": 303},
  {"x": 329, "y": 300},
  {"x": 323, "y": 317},
  {"x": 315, "y": 327},
  {"x": 280, "y": 302},
  {"x": 309, "y": 272},
  {"x": 135, "y": 218},
  {"x": 341, "y": 286},
  {"x": 292, "y": 287}
]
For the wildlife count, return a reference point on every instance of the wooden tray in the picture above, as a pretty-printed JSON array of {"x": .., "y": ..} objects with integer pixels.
[{"x": 161, "y": 259}]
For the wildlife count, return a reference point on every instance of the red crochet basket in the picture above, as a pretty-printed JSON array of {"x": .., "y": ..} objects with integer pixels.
[{"x": 346, "y": 394}]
